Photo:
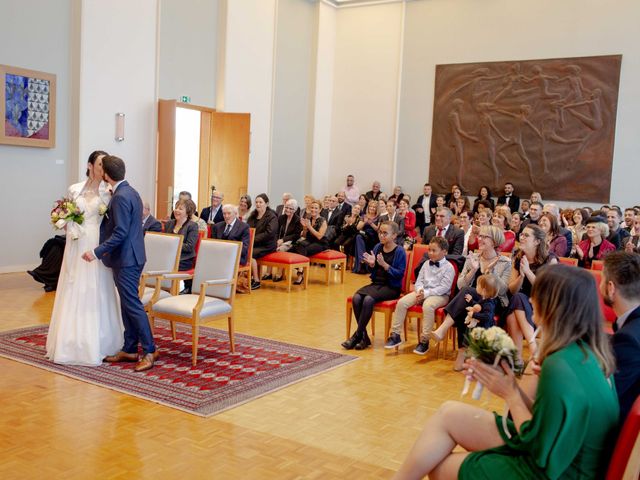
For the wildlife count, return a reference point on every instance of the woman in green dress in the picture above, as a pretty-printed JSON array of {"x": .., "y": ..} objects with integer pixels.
[{"x": 565, "y": 431}]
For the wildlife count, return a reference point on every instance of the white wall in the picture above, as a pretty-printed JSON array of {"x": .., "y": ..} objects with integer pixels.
[
  {"x": 118, "y": 74},
  {"x": 188, "y": 50},
  {"x": 456, "y": 31},
  {"x": 32, "y": 178},
  {"x": 365, "y": 95},
  {"x": 295, "y": 29},
  {"x": 246, "y": 68}
]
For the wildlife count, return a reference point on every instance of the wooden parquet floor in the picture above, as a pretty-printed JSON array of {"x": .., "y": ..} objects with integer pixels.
[{"x": 357, "y": 421}]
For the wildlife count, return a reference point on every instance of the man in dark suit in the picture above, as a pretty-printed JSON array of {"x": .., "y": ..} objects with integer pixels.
[
  {"x": 343, "y": 205},
  {"x": 285, "y": 198},
  {"x": 233, "y": 229},
  {"x": 213, "y": 214},
  {"x": 620, "y": 289},
  {"x": 334, "y": 219},
  {"x": 149, "y": 222},
  {"x": 616, "y": 233},
  {"x": 425, "y": 207},
  {"x": 374, "y": 193},
  {"x": 443, "y": 228},
  {"x": 121, "y": 248},
  {"x": 509, "y": 198}
]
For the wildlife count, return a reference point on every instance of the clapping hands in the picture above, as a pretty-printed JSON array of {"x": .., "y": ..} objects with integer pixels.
[{"x": 369, "y": 258}]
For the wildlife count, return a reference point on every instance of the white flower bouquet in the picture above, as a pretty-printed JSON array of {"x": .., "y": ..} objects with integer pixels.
[
  {"x": 102, "y": 209},
  {"x": 489, "y": 345},
  {"x": 65, "y": 213}
]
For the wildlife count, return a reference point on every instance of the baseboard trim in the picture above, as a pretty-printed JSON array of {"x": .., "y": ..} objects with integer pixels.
[{"x": 18, "y": 268}]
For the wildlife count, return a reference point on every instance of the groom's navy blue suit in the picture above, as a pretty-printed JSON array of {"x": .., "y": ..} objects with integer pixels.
[{"x": 122, "y": 249}]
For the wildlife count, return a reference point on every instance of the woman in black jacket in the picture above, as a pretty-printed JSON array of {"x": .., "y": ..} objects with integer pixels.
[{"x": 265, "y": 221}]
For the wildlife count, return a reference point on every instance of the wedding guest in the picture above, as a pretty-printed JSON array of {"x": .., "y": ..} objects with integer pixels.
[
  {"x": 346, "y": 239},
  {"x": 363, "y": 202},
  {"x": 569, "y": 432},
  {"x": 620, "y": 288},
  {"x": 343, "y": 207},
  {"x": 397, "y": 194},
  {"x": 375, "y": 191},
  {"x": 556, "y": 243},
  {"x": 616, "y": 233},
  {"x": 48, "y": 271},
  {"x": 484, "y": 194},
  {"x": 535, "y": 197},
  {"x": 579, "y": 229},
  {"x": 443, "y": 228},
  {"x": 456, "y": 193},
  {"x": 307, "y": 201},
  {"x": 244, "y": 207},
  {"x": 516, "y": 224},
  {"x": 425, "y": 208},
  {"x": 533, "y": 255},
  {"x": 510, "y": 199},
  {"x": 631, "y": 244},
  {"x": 487, "y": 260},
  {"x": 367, "y": 236},
  {"x": 183, "y": 225},
  {"x": 280, "y": 208},
  {"x": 464, "y": 220},
  {"x": 352, "y": 192},
  {"x": 431, "y": 291},
  {"x": 596, "y": 246},
  {"x": 149, "y": 222},
  {"x": 231, "y": 228},
  {"x": 213, "y": 213},
  {"x": 388, "y": 262},
  {"x": 483, "y": 219},
  {"x": 289, "y": 230},
  {"x": 312, "y": 239},
  {"x": 408, "y": 220},
  {"x": 524, "y": 208},
  {"x": 502, "y": 219},
  {"x": 462, "y": 205},
  {"x": 629, "y": 215},
  {"x": 265, "y": 221}
]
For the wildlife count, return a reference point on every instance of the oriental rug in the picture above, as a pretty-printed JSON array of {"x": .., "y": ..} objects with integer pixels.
[{"x": 221, "y": 380}]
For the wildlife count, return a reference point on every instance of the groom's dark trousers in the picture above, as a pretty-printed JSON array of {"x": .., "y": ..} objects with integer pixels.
[{"x": 122, "y": 249}]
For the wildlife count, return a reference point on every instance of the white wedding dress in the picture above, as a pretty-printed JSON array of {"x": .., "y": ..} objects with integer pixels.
[{"x": 86, "y": 324}]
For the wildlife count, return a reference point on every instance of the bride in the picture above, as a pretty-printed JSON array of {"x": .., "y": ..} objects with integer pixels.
[{"x": 86, "y": 324}]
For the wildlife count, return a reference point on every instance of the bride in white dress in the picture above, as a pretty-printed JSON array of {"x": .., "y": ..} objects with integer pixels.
[{"x": 86, "y": 324}]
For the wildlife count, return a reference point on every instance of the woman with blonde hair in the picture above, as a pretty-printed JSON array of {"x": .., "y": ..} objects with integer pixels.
[{"x": 564, "y": 431}]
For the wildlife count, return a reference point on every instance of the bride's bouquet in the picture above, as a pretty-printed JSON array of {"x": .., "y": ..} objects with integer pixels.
[
  {"x": 490, "y": 345},
  {"x": 65, "y": 213}
]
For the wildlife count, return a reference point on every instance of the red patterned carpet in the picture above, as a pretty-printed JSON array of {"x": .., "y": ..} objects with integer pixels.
[{"x": 221, "y": 379}]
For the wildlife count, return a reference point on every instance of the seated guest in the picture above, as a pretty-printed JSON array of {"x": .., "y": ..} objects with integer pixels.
[
  {"x": 363, "y": 202},
  {"x": 631, "y": 244},
  {"x": 374, "y": 193},
  {"x": 48, "y": 271},
  {"x": 388, "y": 262},
  {"x": 244, "y": 207},
  {"x": 524, "y": 208},
  {"x": 535, "y": 211},
  {"x": 462, "y": 205},
  {"x": 556, "y": 243},
  {"x": 367, "y": 236},
  {"x": 313, "y": 237},
  {"x": 510, "y": 199},
  {"x": 502, "y": 219},
  {"x": 443, "y": 228},
  {"x": 596, "y": 245},
  {"x": 567, "y": 217},
  {"x": 343, "y": 206},
  {"x": 289, "y": 226},
  {"x": 565, "y": 431},
  {"x": 280, "y": 208},
  {"x": 440, "y": 202},
  {"x": 480, "y": 206},
  {"x": 397, "y": 194},
  {"x": 352, "y": 192},
  {"x": 183, "y": 225},
  {"x": 432, "y": 289},
  {"x": 484, "y": 218},
  {"x": 456, "y": 193},
  {"x": 346, "y": 240},
  {"x": 265, "y": 221},
  {"x": 620, "y": 288},
  {"x": 484, "y": 194},
  {"x": 534, "y": 254},
  {"x": 307, "y": 201},
  {"x": 408, "y": 220},
  {"x": 516, "y": 224},
  {"x": 616, "y": 233},
  {"x": 149, "y": 222},
  {"x": 213, "y": 214},
  {"x": 535, "y": 197},
  {"x": 389, "y": 212},
  {"x": 334, "y": 218},
  {"x": 464, "y": 220},
  {"x": 425, "y": 208},
  {"x": 486, "y": 261},
  {"x": 554, "y": 210},
  {"x": 233, "y": 229},
  {"x": 579, "y": 228},
  {"x": 383, "y": 215},
  {"x": 629, "y": 215},
  {"x": 184, "y": 195},
  {"x": 449, "y": 196}
]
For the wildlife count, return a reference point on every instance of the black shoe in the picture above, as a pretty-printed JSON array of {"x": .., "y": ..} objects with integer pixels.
[
  {"x": 35, "y": 276},
  {"x": 364, "y": 343},
  {"x": 277, "y": 279},
  {"x": 422, "y": 348},
  {"x": 393, "y": 341},
  {"x": 255, "y": 285},
  {"x": 49, "y": 288},
  {"x": 349, "y": 344},
  {"x": 185, "y": 291},
  {"x": 267, "y": 277},
  {"x": 299, "y": 280}
]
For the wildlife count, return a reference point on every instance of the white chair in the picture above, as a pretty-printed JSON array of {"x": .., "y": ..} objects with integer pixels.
[
  {"x": 163, "y": 256},
  {"x": 213, "y": 291}
]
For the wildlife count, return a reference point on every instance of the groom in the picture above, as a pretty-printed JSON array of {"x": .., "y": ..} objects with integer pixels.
[{"x": 122, "y": 249}]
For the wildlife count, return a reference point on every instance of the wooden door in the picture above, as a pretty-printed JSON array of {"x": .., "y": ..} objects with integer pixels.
[{"x": 166, "y": 157}]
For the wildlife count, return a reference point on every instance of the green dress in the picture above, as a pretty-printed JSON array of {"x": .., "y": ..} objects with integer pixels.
[{"x": 572, "y": 428}]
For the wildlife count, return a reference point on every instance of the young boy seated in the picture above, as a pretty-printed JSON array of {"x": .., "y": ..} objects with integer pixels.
[{"x": 432, "y": 289}]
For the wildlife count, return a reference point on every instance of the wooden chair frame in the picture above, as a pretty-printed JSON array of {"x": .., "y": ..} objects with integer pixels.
[
  {"x": 247, "y": 268},
  {"x": 328, "y": 264}
]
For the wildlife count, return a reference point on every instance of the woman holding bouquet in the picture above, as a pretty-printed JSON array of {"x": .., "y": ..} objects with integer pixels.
[
  {"x": 565, "y": 431},
  {"x": 86, "y": 324}
]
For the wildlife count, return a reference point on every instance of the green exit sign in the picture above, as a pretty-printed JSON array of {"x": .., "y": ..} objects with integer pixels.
[{"x": 185, "y": 99}]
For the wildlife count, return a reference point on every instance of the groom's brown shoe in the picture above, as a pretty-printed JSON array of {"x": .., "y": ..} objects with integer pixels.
[
  {"x": 121, "y": 357},
  {"x": 147, "y": 361}
]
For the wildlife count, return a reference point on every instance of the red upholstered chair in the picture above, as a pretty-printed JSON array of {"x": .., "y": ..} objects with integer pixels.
[
  {"x": 597, "y": 265},
  {"x": 572, "y": 262},
  {"x": 608, "y": 313},
  {"x": 625, "y": 461},
  {"x": 287, "y": 261},
  {"x": 387, "y": 307},
  {"x": 246, "y": 268},
  {"x": 329, "y": 258}
]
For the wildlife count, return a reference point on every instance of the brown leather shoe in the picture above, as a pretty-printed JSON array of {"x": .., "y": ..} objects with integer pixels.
[
  {"x": 146, "y": 362},
  {"x": 122, "y": 357}
]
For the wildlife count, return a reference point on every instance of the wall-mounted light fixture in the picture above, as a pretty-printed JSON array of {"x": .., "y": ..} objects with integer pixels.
[{"x": 119, "y": 127}]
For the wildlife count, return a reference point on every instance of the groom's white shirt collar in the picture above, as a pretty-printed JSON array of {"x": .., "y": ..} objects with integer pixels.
[{"x": 113, "y": 190}]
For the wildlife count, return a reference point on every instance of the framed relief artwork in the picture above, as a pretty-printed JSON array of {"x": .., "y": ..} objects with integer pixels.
[{"x": 27, "y": 107}]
